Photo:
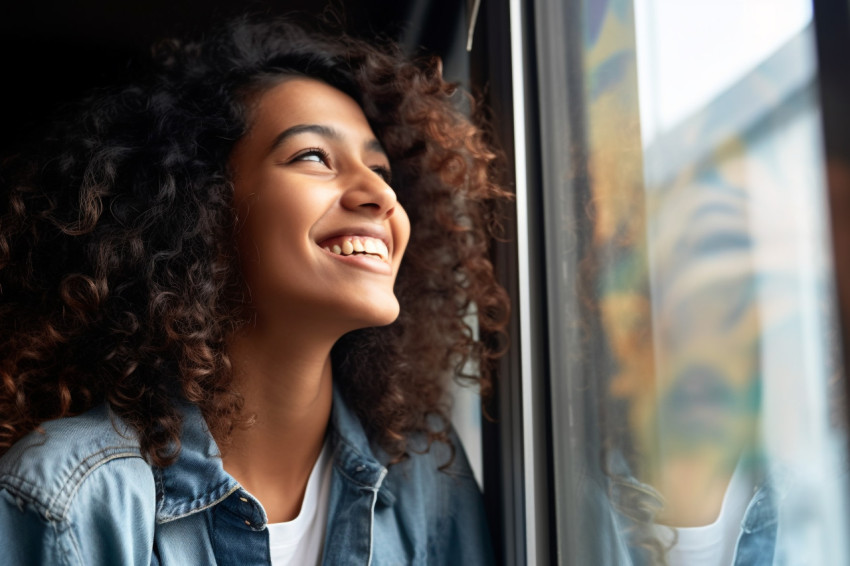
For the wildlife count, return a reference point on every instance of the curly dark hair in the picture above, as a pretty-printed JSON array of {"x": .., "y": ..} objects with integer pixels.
[{"x": 119, "y": 273}]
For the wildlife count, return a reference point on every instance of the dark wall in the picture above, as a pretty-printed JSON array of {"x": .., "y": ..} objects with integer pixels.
[{"x": 52, "y": 52}]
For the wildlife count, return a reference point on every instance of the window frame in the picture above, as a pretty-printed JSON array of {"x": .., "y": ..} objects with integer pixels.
[{"x": 541, "y": 60}]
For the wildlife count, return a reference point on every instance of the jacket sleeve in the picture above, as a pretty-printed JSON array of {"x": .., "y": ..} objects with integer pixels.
[{"x": 109, "y": 519}]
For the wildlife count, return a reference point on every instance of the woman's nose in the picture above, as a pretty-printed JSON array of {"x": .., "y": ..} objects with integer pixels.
[{"x": 367, "y": 191}]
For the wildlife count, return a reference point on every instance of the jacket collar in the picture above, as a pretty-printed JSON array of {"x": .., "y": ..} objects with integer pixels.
[
  {"x": 352, "y": 451},
  {"x": 197, "y": 479}
]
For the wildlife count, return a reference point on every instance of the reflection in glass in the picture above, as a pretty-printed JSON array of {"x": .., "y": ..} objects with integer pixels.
[{"x": 713, "y": 429}]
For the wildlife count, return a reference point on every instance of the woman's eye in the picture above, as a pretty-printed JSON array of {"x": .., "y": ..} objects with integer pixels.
[
  {"x": 384, "y": 173},
  {"x": 316, "y": 155}
]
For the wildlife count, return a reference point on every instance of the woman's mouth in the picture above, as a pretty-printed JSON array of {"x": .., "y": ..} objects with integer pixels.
[{"x": 373, "y": 248}]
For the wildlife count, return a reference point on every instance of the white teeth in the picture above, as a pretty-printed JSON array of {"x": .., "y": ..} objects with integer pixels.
[
  {"x": 363, "y": 245},
  {"x": 381, "y": 250}
]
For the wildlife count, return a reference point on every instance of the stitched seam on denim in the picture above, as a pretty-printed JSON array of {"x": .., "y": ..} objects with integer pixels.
[
  {"x": 53, "y": 521},
  {"x": 27, "y": 491},
  {"x": 36, "y": 495},
  {"x": 76, "y": 485},
  {"x": 199, "y": 509}
]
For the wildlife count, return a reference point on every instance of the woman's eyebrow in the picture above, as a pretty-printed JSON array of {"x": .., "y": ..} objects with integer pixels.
[
  {"x": 324, "y": 131},
  {"x": 374, "y": 146},
  {"x": 328, "y": 132}
]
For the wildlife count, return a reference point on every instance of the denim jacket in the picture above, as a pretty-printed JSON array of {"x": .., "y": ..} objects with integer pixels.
[
  {"x": 614, "y": 536},
  {"x": 80, "y": 493}
]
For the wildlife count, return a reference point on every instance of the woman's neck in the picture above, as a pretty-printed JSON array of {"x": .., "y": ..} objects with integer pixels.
[{"x": 286, "y": 382}]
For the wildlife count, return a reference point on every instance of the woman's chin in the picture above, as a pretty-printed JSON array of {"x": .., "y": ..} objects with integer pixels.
[
  {"x": 368, "y": 314},
  {"x": 381, "y": 316}
]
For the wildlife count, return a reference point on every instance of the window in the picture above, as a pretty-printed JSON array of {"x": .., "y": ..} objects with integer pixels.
[{"x": 682, "y": 389}]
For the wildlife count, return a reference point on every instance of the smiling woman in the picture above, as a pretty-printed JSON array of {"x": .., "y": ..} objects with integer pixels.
[
  {"x": 312, "y": 177},
  {"x": 221, "y": 348}
]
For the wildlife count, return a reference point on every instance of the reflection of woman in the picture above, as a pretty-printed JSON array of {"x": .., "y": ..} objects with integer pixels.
[
  {"x": 682, "y": 462},
  {"x": 215, "y": 353}
]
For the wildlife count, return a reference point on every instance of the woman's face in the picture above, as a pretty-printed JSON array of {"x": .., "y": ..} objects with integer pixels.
[{"x": 321, "y": 232}]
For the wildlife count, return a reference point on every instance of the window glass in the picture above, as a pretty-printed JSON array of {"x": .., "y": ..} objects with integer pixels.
[{"x": 697, "y": 406}]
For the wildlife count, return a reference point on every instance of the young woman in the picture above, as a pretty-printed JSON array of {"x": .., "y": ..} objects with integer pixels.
[{"x": 233, "y": 295}]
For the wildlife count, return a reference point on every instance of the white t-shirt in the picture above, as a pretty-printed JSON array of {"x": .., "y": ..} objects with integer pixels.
[
  {"x": 714, "y": 544},
  {"x": 299, "y": 542}
]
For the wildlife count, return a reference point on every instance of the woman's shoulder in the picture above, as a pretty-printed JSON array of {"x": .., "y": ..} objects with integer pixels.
[
  {"x": 439, "y": 473},
  {"x": 77, "y": 491},
  {"x": 445, "y": 461},
  {"x": 47, "y": 468},
  {"x": 438, "y": 482}
]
